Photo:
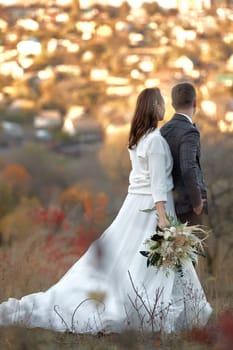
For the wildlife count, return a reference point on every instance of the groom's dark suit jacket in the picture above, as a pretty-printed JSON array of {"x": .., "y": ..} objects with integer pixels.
[{"x": 184, "y": 141}]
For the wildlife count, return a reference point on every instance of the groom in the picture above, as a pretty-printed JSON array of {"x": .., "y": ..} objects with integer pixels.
[{"x": 190, "y": 194}]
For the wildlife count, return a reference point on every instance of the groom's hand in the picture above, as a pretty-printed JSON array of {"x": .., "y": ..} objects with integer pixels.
[{"x": 198, "y": 210}]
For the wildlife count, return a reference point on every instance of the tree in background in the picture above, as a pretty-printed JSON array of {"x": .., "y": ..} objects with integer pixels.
[
  {"x": 17, "y": 176},
  {"x": 217, "y": 165},
  {"x": 17, "y": 225},
  {"x": 15, "y": 182},
  {"x": 115, "y": 160},
  {"x": 49, "y": 173}
]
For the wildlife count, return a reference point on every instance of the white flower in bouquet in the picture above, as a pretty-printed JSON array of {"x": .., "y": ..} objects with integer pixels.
[{"x": 172, "y": 229}]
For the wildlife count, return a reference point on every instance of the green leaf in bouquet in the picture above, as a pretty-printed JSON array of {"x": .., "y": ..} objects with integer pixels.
[
  {"x": 149, "y": 210},
  {"x": 180, "y": 269},
  {"x": 154, "y": 246},
  {"x": 144, "y": 253},
  {"x": 175, "y": 222},
  {"x": 159, "y": 229},
  {"x": 198, "y": 252},
  {"x": 156, "y": 237},
  {"x": 155, "y": 259}
]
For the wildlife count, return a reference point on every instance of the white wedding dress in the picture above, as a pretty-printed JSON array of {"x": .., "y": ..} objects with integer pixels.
[{"x": 110, "y": 289}]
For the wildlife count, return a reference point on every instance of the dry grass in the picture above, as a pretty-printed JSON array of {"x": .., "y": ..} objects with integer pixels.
[
  {"x": 28, "y": 339},
  {"x": 21, "y": 273}
]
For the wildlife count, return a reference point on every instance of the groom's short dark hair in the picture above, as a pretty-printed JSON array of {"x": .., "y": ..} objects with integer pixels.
[{"x": 183, "y": 95}]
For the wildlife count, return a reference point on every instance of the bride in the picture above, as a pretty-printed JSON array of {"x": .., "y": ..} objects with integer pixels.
[{"x": 110, "y": 288}]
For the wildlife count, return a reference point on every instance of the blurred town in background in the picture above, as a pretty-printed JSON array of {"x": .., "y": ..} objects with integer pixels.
[{"x": 70, "y": 70}]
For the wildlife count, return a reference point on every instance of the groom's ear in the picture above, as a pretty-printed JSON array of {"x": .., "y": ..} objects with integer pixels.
[{"x": 194, "y": 103}]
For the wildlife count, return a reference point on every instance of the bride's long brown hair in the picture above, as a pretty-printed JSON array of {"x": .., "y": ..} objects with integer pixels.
[{"x": 145, "y": 117}]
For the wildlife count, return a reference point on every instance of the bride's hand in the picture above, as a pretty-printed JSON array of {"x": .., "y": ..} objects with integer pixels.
[
  {"x": 163, "y": 222},
  {"x": 162, "y": 218}
]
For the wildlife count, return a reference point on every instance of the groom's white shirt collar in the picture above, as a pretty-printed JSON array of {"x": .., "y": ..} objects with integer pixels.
[{"x": 186, "y": 116}]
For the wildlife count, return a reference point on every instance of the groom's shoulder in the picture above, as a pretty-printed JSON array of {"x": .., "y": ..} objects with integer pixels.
[
  {"x": 176, "y": 123},
  {"x": 177, "y": 130},
  {"x": 169, "y": 125}
]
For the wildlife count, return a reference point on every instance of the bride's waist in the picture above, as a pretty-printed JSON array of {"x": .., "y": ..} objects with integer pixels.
[{"x": 141, "y": 189}]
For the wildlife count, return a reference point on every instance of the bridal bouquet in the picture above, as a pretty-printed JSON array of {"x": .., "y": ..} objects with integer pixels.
[{"x": 172, "y": 247}]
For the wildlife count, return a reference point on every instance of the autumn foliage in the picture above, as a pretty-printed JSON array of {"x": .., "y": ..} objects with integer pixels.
[
  {"x": 65, "y": 240},
  {"x": 217, "y": 336},
  {"x": 14, "y": 183},
  {"x": 17, "y": 175}
]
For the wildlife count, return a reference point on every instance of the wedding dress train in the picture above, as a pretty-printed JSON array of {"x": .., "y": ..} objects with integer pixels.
[{"x": 110, "y": 289}]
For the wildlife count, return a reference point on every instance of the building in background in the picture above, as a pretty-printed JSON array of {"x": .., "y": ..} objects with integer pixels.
[{"x": 197, "y": 5}]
